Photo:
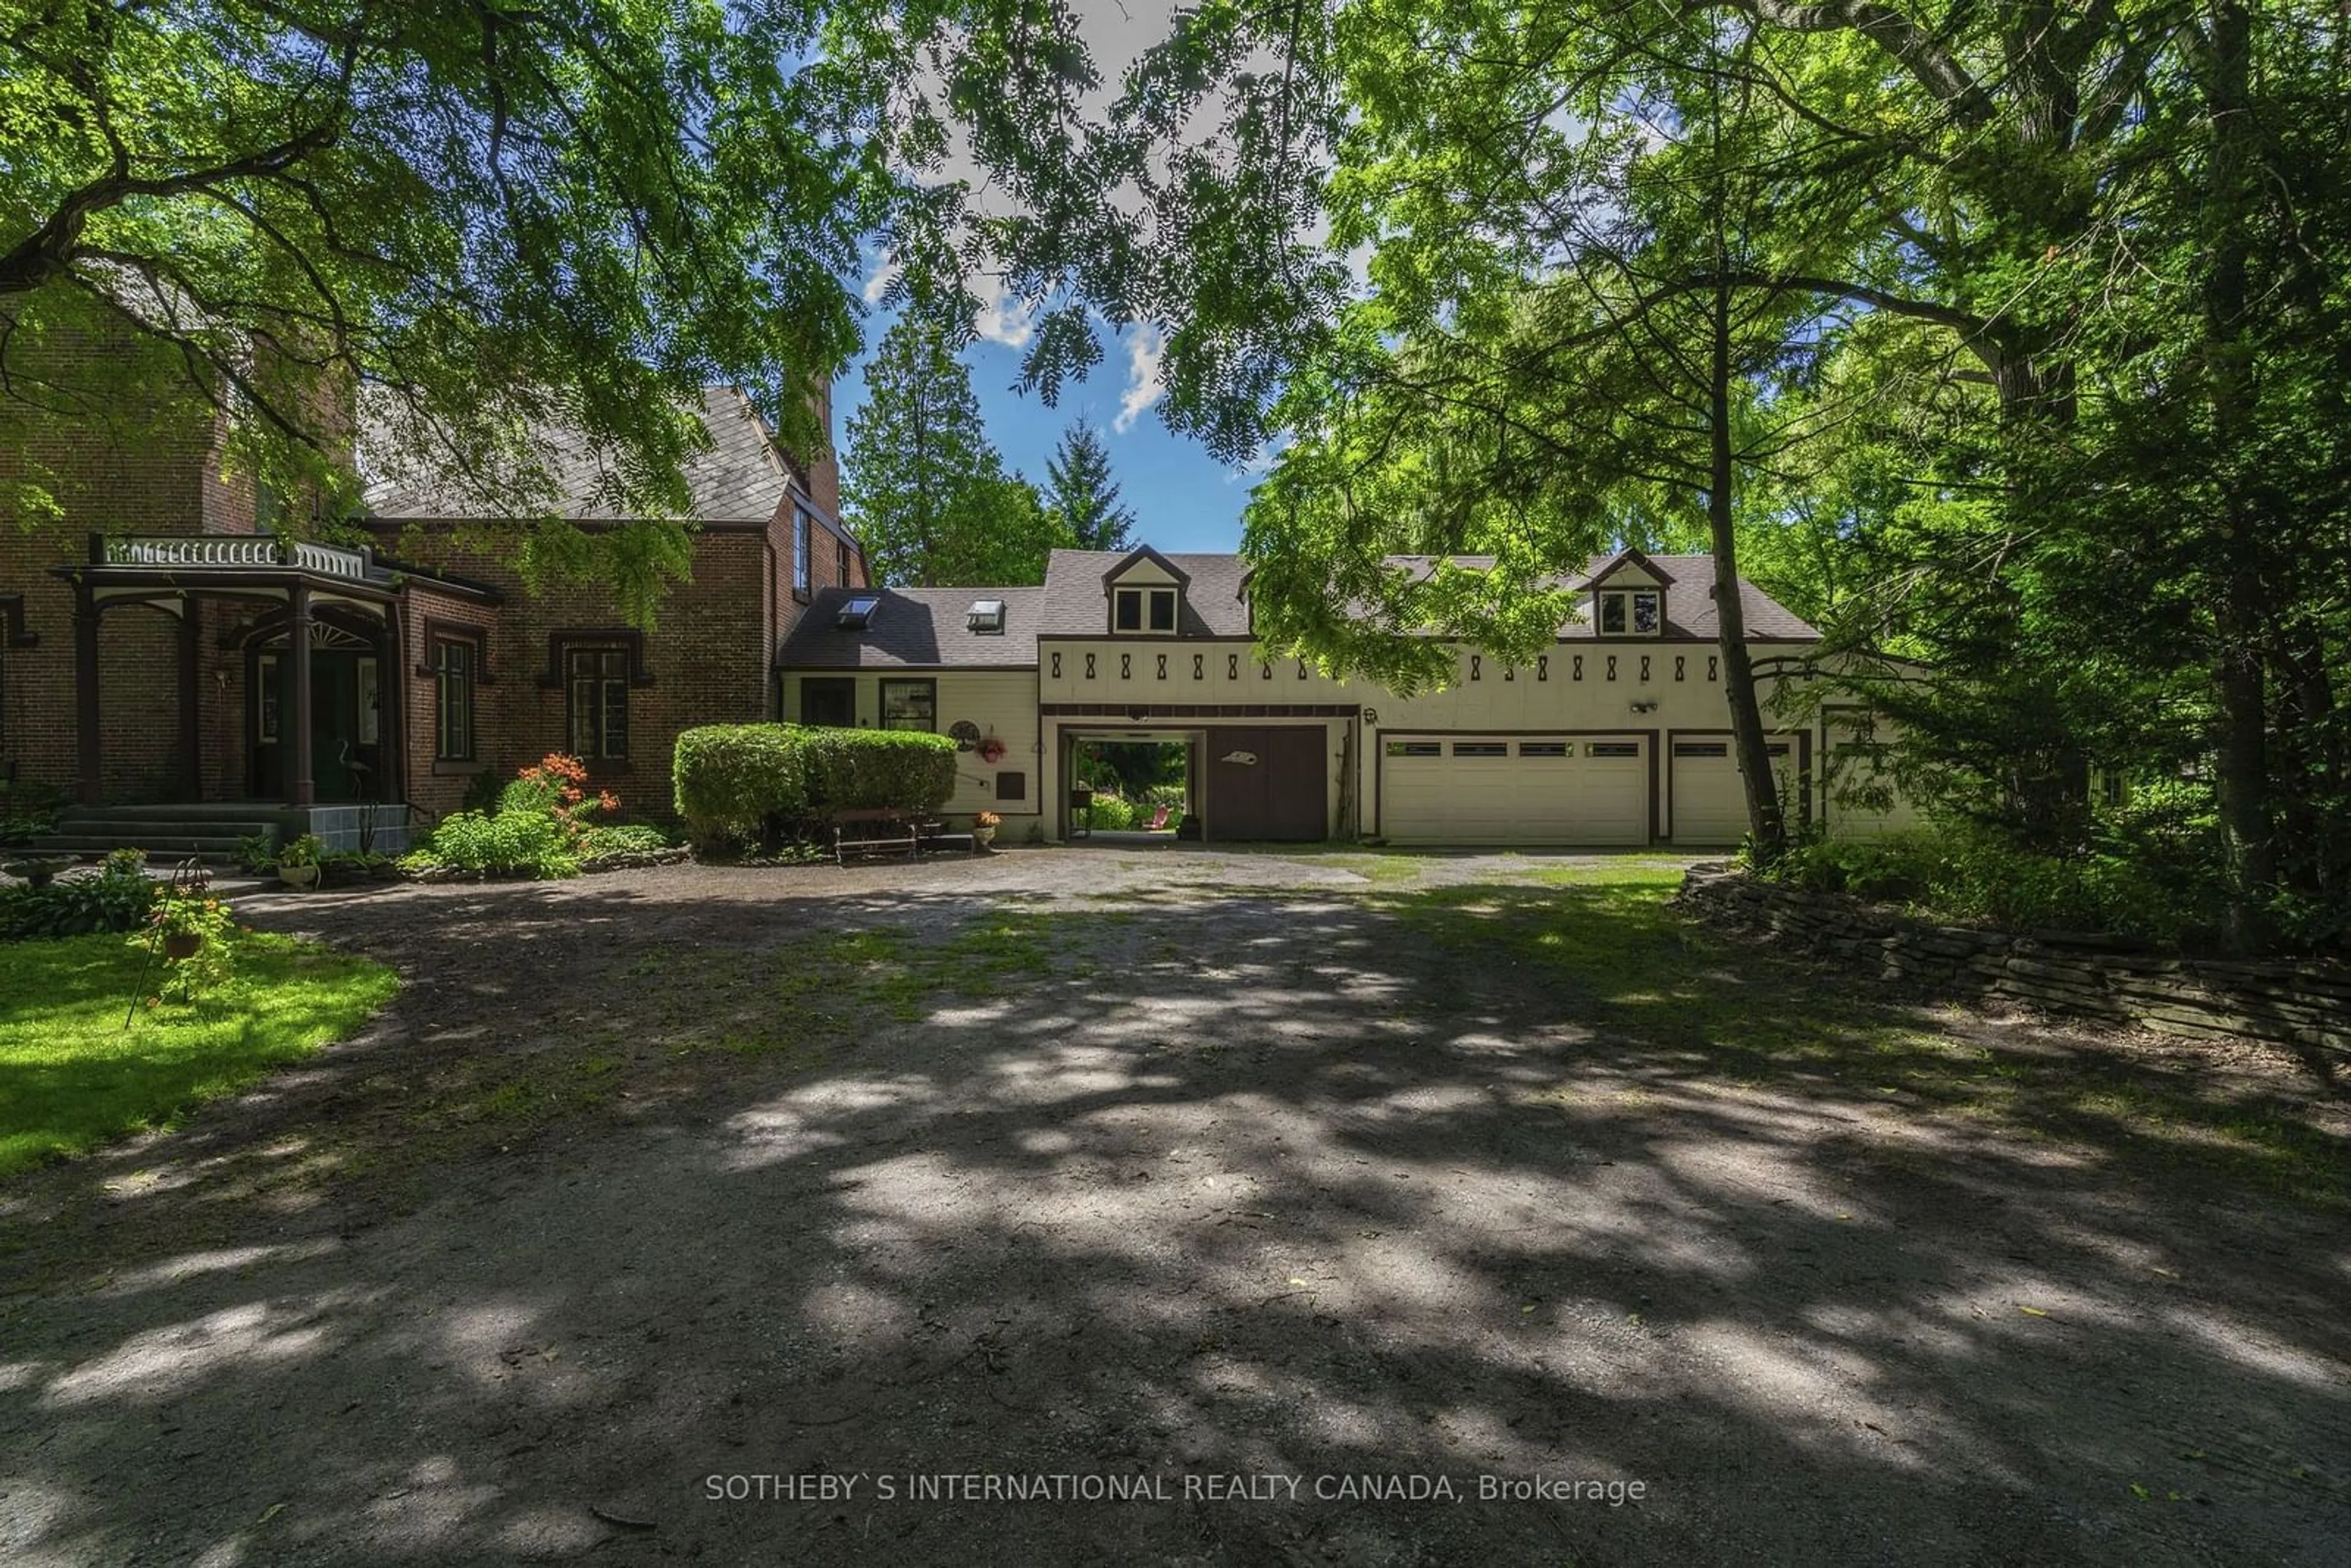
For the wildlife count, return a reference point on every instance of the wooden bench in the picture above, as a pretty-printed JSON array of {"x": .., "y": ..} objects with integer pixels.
[
  {"x": 935, "y": 837},
  {"x": 874, "y": 831}
]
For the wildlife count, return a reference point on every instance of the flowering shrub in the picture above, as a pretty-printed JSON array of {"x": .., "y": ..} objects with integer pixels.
[
  {"x": 557, "y": 785},
  {"x": 547, "y": 821}
]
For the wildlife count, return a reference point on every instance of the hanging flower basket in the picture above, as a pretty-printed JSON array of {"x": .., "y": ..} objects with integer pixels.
[{"x": 179, "y": 945}]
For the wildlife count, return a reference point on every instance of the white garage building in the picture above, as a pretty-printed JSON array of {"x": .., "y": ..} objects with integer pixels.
[{"x": 1618, "y": 735}]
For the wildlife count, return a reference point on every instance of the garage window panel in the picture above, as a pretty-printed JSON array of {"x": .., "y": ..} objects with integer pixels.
[
  {"x": 1613, "y": 748},
  {"x": 1414, "y": 748},
  {"x": 1481, "y": 748},
  {"x": 1542, "y": 749}
]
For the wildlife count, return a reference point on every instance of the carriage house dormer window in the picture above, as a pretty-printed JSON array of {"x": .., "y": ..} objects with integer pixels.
[
  {"x": 1631, "y": 612},
  {"x": 1144, "y": 610},
  {"x": 1628, "y": 597},
  {"x": 1146, "y": 594}
]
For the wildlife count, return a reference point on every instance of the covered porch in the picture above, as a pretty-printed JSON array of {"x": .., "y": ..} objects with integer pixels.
[{"x": 284, "y": 675}]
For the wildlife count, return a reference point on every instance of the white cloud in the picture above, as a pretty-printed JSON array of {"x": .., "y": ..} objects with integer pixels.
[
  {"x": 1260, "y": 466},
  {"x": 885, "y": 273},
  {"x": 1001, "y": 319},
  {"x": 1144, "y": 345}
]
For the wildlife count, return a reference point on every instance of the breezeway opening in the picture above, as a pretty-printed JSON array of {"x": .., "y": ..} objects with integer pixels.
[{"x": 1135, "y": 787}]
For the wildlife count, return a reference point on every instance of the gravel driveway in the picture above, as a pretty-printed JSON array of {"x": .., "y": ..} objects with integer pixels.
[{"x": 1180, "y": 1207}]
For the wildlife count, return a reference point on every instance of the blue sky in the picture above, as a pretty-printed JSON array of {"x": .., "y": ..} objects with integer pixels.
[{"x": 1182, "y": 498}]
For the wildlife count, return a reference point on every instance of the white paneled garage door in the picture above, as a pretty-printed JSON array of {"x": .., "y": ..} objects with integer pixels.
[
  {"x": 1705, "y": 803},
  {"x": 1532, "y": 789},
  {"x": 1861, "y": 800}
]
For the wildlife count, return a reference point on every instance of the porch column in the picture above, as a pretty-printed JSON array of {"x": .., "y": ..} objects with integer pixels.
[
  {"x": 300, "y": 790},
  {"x": 85, "y": 622},
  {"x": 192, "y": 765},
  {"x": 391, "y": 702}
]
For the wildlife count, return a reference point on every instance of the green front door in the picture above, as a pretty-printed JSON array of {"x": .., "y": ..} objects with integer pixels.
[
  {"x": 334, "y": 729},
  {"x": 344, "y": 726}
]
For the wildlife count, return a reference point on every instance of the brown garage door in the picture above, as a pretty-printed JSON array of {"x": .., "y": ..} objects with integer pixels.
[{"x": 1267, "y": 783}]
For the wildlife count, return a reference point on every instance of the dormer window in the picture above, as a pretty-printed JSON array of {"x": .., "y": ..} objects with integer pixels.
[
  {"x": 986, "y": 617},
  {"x": 858, "y": 613},
  {"x": 1636, "y": 613},
  {"x": 1143, "y": 609}
]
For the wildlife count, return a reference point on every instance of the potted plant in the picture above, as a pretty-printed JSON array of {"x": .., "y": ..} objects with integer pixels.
[
  {"x": 983, "y": 829},
  {"x": 297, "y": 860},
  {"x": 185, "y": 920}
]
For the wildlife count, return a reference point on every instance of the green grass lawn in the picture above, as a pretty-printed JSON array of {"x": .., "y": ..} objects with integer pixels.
[{"x": 71, "y": 1076}]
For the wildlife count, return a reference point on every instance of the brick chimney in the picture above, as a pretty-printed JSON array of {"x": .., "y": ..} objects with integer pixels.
[{"x": 824, "y": 469}]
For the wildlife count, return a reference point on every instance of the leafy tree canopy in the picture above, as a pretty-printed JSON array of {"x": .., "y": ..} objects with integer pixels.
[{"x": 483, "y": 218}]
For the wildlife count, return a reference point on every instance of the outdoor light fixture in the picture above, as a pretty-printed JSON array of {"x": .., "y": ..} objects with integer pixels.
[{"x": 1646, "y": 705}]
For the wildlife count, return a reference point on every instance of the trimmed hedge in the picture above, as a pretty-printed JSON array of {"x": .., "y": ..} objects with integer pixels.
[
  {"x": 730, "y": 778},
  {"x": 876, "y": 769},
  {"x": 733, "y": 780}
]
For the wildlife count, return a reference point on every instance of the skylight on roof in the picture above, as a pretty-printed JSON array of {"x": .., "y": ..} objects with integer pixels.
[
  {"x": 986, "y": 616},
  {"x": 858, "y": 613}
]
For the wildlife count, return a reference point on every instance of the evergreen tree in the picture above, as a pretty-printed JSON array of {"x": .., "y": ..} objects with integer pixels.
[
  {"x": 1081, "y": 495},
  {"x": 922, "y": 488}
]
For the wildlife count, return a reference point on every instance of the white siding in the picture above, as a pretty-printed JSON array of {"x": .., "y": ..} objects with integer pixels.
[{"x": 1002, "y": 702}]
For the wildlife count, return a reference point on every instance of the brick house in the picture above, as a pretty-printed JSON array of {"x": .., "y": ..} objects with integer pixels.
[{"x": 146, "y": 667}]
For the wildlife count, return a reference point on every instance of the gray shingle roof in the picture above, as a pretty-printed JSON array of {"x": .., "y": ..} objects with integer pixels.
[
  {"x": 914, "y": 628},
  {"x": 1075, "y": 605},
  {"x": 925, "y": 626},
  {"x": 741, "y": 479},
  {"x": 1689, "y": 600}
]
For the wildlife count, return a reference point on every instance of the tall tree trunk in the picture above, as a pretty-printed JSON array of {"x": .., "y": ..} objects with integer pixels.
[
  {"x": 2241, "y": 605},
  {"x": 1766, "y": 827}
]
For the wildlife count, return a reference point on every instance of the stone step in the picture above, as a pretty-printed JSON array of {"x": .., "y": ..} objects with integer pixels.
[
  {"x": 162, "y": 848},
  {"x": 162, "y": 833}
]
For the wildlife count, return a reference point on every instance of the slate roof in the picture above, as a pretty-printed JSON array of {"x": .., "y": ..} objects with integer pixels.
[
  {"x": 741, "y": 479},
  {"x": 914, "y": 628},
  {"x": 1076, "y": 604}
]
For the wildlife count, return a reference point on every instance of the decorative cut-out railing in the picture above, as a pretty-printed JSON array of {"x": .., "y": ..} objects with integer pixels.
[{"x": 213, "y": 552}]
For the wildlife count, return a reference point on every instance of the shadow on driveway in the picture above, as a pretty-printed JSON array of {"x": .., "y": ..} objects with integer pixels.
[{"x": 656, "y": 1188}]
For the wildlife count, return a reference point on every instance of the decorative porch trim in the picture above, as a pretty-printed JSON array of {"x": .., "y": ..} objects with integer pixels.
[{"x": 209, "y": 552}]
